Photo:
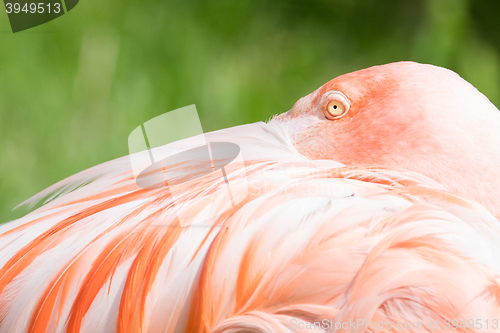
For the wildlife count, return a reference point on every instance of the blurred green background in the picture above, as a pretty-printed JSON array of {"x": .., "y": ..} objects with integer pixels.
[{"x": 73, "y": 89}]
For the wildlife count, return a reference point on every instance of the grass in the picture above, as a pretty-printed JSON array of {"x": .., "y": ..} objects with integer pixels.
[{"x": 73, "y": 89}]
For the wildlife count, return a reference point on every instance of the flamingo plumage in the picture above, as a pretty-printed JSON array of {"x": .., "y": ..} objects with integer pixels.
[{"x": 383, "y": 212}]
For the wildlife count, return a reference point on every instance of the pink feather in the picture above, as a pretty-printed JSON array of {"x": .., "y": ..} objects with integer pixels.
[{"x": 317, "y": 239}]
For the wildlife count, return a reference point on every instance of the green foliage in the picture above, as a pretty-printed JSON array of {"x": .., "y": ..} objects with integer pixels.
[{"x": 73, "y": 89}]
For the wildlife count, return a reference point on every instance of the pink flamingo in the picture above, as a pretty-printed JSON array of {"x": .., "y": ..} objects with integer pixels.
[{"x": 371, "y": 203}]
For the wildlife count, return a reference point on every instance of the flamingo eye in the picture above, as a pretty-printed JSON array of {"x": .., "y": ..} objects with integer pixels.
[{"x": 335, "y": 109}]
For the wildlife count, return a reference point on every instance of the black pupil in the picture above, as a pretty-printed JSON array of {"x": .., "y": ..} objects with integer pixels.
[{"x": 335, "y": 106}]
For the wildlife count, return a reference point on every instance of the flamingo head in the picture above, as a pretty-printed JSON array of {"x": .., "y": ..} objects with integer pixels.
[{"x": 407, "y": 116}]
